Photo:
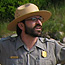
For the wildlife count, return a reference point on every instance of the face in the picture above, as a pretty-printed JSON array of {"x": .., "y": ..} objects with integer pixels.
[{"x": 33, "y": 26}]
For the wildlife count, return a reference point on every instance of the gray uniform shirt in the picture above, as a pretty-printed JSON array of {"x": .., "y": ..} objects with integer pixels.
[{"x": 45, "y": 52}]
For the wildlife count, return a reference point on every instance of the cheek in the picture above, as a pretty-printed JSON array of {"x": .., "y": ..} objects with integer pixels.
[{"x": 30, "y": 24}]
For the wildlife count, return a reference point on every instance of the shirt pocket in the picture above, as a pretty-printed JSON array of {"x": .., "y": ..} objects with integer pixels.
[
  {"x": 44, "y": 62},
  {"x": 14, "y": 62}
]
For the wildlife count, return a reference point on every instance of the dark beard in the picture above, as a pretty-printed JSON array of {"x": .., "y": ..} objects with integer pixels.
[{"x": 31, "y": 31}]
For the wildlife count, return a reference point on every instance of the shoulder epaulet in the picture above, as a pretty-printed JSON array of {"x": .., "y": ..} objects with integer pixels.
[
  {"x": 49, "y": 40},
  {"x": 46, "y": 40},
  {"x": 8, "y": 38}
]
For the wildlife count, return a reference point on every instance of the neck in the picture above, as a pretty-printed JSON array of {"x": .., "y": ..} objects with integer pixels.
[{"x": 29, "y": 40}]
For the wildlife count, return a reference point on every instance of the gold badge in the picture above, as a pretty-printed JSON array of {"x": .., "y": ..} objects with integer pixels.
[
  {"x": 44, "y": 54},
  {"x": 14, "y": 57}
]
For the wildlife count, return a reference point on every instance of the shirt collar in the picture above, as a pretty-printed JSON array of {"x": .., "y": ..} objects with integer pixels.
[
  {"x": 40, "y": 43},
  {"x": 19, "y": 43}
]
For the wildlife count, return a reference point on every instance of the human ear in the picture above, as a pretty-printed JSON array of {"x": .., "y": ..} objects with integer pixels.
[{"x": 20, "y": 25}]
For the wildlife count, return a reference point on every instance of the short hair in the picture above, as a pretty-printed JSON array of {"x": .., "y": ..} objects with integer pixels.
[{"x": 18, "y": 30}]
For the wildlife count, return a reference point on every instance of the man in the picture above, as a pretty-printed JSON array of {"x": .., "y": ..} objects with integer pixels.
[{"x": 29, "y": 48}]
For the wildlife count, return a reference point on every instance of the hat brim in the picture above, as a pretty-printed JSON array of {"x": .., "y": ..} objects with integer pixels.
[{"x": 45, "y": 14}]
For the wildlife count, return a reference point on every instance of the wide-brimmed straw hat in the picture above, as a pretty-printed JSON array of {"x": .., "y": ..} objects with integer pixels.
[{"x": 25, "y": 11}]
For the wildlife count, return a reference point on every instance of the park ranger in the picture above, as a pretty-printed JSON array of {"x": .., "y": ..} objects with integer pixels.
[{"x": 28, "y": 47}]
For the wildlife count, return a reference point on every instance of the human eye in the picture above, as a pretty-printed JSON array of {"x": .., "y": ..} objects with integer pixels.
[
  {"x": 33, "y": 19},
  {"x": 41, "y": 19}
]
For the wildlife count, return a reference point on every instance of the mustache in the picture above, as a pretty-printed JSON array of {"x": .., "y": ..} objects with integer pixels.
[{"x": 38, "y": 25}]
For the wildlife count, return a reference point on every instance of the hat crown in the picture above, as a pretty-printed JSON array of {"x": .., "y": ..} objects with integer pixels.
[{"x": 25, "y": 9}]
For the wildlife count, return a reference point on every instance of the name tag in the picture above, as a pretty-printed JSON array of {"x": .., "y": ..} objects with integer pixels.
[{"x": 14, "y": 57}]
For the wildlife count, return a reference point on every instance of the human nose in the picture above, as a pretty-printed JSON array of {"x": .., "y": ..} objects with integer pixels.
[{"x": 38, "y": 22}]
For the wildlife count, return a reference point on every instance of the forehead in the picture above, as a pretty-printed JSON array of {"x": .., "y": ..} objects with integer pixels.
[{"x": 34, "y": 16}]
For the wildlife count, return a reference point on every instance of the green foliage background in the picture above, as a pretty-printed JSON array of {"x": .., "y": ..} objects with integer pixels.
[{"x": 52, "y": 27}]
